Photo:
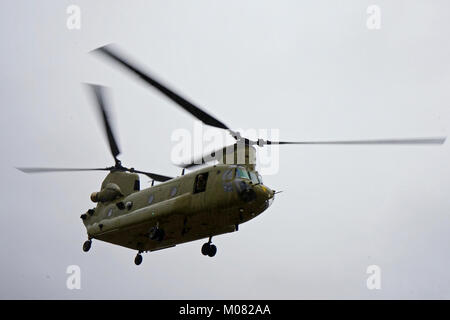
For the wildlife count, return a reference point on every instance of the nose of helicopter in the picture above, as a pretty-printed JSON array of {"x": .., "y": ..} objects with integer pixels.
[
  {"x": 268, "y": 193},
  {"x": 265, "y": 194},
  {"x": 258, "y": 196}
]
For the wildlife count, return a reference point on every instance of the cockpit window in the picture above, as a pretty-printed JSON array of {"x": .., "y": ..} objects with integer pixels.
[
  {"x": 242, "y": 173},
  {"x": 254, "y": 177}
]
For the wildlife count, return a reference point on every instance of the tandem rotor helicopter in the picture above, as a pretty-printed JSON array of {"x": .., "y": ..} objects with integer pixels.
[{"x": 200, "y": 204}]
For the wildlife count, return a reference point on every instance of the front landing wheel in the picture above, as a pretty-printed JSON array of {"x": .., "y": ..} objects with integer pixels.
[
  {"x": 138, "y": 259},
  {"x": 87, "y": 245}
]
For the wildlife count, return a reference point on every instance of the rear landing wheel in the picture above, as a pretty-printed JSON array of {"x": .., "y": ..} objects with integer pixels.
[
  {"x": 138, "y": 259},
  {"x": 87, "y": 245}
]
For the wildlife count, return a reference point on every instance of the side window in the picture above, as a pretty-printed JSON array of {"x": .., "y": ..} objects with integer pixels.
[
  {"x": 200, "y": 182},
  {"x": 137, "y": 185},
  {"x": 228, "y": 175},
  {"x": 151, "y": 198},
  {"x": 173, "y": 191}
]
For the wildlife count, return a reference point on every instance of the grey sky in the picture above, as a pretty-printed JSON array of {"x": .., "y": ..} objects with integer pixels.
[{"x": 309, "y": 68}]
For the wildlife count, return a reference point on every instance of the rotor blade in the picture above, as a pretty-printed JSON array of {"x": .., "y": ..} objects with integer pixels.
[
  {"x": 412, "y": 141},
  {"x": 42, "y": 170},
  {"x": 206, "y": 158},
  {"x": 98, "y": 92},
  {"x": 146, "y": 77},
  {"x": 154, "y": 176},
  {"x": 199, "y": 161}
]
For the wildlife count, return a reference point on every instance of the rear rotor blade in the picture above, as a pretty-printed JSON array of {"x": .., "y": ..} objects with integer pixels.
[
  {"x": 154, "y": 176},
  {"x": 99, "y": 95},
  {"x": 42, "y": 170},
  {"x": 146, "y": 77},
  {"x": 412, "y": 141}
]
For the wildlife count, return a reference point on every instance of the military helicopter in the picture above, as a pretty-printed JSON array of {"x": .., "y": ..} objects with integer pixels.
[{"x": 203, "y": 203}]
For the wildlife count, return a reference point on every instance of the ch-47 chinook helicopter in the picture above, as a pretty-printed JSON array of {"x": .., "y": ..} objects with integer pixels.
[{"x": 200, "y": 204}]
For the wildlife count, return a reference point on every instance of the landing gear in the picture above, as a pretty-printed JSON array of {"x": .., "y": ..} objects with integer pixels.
[
  {"x": 87, "y": 245},
  {"x": 208, "y": 249},
  {"x": 157, "y": 234},
  {"x": 138, "y": 259},
  {"x": 212, "y": 250},
  {"x": 205, "y": 249}
]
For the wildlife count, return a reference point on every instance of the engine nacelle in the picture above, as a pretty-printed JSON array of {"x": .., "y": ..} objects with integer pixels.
[{"x": 109, "y": 193}]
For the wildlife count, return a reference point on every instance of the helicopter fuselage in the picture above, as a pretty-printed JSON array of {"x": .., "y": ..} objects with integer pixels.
[{"x": 200, "y": 204}]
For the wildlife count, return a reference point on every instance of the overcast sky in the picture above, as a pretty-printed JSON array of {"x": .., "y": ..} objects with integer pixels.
[{"x": 311, "y": 69}]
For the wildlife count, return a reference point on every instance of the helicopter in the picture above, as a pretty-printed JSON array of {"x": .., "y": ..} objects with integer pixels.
[{"x": 200, "y": 204}]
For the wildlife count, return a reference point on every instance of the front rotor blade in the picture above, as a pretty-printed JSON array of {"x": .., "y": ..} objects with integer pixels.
[
  {"x": 413, "y": 141},
  {"x": 207, "y": 157},
  {"x": 146, "y": 77},
  {"x": 43, "y": 170},
  {"x": 99, "y": 95},
  {"x": 154, "y": 176},
  {"x": 201, "y": 160}
]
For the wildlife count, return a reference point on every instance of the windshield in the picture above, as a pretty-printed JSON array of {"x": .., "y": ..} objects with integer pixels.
[
  {"x": 254, "y": 177},
  {"x": 242, "y": 173}
]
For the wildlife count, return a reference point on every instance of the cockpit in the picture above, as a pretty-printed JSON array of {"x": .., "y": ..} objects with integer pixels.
[{"x": 248, "y": 185}]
